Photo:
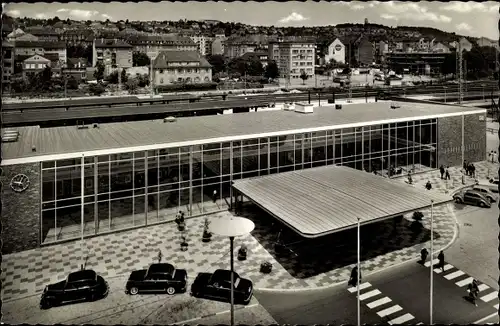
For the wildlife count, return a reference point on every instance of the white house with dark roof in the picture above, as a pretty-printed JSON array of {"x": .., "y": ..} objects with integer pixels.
[
  {"x": 336, "y": 51},
  {"x": 172, "y": 67}
]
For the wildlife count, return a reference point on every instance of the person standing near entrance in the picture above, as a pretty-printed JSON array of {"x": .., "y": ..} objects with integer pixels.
[
  {"x": 447, "y": 173},
  {"x": 214, "y": 195},
  {"x": 441, "y": 170}
]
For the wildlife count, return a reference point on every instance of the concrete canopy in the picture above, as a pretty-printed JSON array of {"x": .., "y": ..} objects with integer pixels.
[{"x": 319, "y": 201}]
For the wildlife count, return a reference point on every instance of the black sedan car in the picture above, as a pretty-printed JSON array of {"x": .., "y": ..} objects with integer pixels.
[
  {"x": 84, "y": 285},
  {"x": 160, "y": 277},
  {"x": 218, "y": 286}
]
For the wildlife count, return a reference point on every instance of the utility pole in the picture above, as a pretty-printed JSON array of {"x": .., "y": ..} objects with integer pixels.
[
  {"x": 119, "y": 80},
  {"x": 460, "y": 75},
  {"x": 350, "y": 73}
]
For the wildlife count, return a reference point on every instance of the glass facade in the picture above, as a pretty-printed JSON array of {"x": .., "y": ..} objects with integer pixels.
[{"x": 105, "y": 193}]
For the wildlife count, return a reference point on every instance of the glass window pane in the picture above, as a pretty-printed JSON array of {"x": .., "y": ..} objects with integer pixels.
[{"x": 48, "y": 185}]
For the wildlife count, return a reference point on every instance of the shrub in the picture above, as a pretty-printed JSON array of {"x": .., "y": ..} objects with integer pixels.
[
  {"x": 187, "y": 87},
  {"x": 418, "y": 216}
]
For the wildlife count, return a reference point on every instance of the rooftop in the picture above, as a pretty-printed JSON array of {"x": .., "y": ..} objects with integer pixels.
[
  {"x": 179, "y": 56},
  {"x": 111, "y": 43},
  {"x": 40, "y": 44},
  {"x": 331, "y": 198},
  {"x": 71, "y": 142}
]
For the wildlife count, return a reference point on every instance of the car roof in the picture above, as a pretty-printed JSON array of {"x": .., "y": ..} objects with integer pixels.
[
  {"x": 479, "y": 186},
  {"x": 161, "y": 268},
  {"x": 224, "y": 273},
  {"x": 83, "y": 275},
  {"x": 475, "y": 192}
]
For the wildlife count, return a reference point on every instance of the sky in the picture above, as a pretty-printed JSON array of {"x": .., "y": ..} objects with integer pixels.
[{"x": 475, "y": 19}]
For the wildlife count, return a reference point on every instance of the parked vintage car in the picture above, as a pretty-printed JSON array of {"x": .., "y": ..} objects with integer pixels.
[
  {"x": 218, "y": 286},
  {"x": 472, "y": 197},
  {"x": 161, "y": 277},
  {"x": 486, "y": 191},
  {"x": 84, "y": 285}
]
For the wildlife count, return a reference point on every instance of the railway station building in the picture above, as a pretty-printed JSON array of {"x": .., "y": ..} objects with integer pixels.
[{"x": 64, "y": 182}]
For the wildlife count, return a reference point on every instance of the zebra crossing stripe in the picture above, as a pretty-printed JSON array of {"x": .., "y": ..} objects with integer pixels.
[
  {"x": 362, "y": 286},
  {"x": 496, "y": 306},
  {"x": 483, "y": 287},
  {"x": 420, "y": 323},
  {"x": 434, "y": 262},
  {"x": 378, "y": 302},
  {"x": 447, "y": 267},
  {"x": 401, "y": 319},
  {"x": 370, "y": 294},
  {"x": 489, "y": 297},
  {"x": 390, "y": 310},
  {"x": 454, "y": 275},
  {"x": 462, "y": 283}
]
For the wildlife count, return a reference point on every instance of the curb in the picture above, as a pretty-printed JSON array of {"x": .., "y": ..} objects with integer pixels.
[
  {"x": 456, "y": 230},
  {"x": 215, "y": 314}
]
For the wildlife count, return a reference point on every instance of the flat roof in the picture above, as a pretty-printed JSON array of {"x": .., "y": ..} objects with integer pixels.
[
  {"x": 113, "y": 138},
  {"x": 319, "y": 201}
]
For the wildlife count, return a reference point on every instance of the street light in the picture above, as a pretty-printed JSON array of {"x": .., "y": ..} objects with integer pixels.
[
  {"x": 231, "y": 227},
  {"x": 431, "y": 267}
]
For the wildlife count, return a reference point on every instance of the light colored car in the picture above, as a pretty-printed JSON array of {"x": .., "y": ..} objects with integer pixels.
[
  {"x": 472, "y": 197},
  {"x": 485, "y": 190},
  {"x": 491, "y": 184}
]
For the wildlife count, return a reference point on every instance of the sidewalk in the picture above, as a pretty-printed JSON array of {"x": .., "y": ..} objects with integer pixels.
[{"x": 26, "y": 273}]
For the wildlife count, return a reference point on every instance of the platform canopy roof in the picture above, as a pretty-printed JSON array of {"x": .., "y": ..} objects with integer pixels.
[{"x": 324, "y": 200}]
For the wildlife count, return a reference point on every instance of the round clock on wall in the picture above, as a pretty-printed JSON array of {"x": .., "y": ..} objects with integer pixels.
[{"x": 20, "y": 183}]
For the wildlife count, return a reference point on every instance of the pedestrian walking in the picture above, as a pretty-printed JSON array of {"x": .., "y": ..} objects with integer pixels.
[
  {"x": 353, "y": 280},
  {"x": 473, "y": 290},
  {"x": 428, "y": 185},
  {"x": 473, "y": 170},
  {"x": 410, "y": 179},
  {"x": 465, "y": 165},
  {"x": 447, "y": 173},
  {"x": 423, "y": 255},
  {"x": 441, "y": 260},
  {"x": 441, "y": 170},
  {"x": 214, "y": 196}
]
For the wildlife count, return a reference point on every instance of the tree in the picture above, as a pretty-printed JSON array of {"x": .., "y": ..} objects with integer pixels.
[
  {"x": 272, "y": 70},
  {"x": 218, "y": 63},
  {"x": 303, "y": 76},
  {"x": 72, "y": 83},
  {"x": 140, "y": 59},
  {"x": 449, "y": 65},
  {"x": 99, "y": 71},
  {"x": 112, "y": 78},
  {"x": 96, "y": 89},
  {"x": 124, "y": 76},
  {"x": 132, "y": 85}
]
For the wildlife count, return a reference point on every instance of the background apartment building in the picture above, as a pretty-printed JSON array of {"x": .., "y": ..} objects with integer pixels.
[
  {"x": 292, "y": 57},
  {"x": 31, "y": 48},
  {"x": 154, "y": 43},
  {"x": 7, "y": 65},
  {"x": 112, "y": 53},
  {"x": 189, "y": 67}
]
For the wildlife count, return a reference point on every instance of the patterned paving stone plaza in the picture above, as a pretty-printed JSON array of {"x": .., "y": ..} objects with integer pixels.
[{"x": 26, "y": 273}]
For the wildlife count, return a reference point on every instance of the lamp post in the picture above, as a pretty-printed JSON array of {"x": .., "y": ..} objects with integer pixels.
[
  {"x": 359, "y": 272},
  {"x": 431, "y": 267},
  {"x": 231, "y": 227}
]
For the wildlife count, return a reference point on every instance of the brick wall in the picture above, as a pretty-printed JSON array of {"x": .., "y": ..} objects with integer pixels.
[
  {"x": 21, "y": 211},
  {"x": 450, "y": 139}
]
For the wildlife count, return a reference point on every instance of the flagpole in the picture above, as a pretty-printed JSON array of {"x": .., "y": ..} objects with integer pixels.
[
  {"x": 431, "y": 267},
  {"x": 359, "y": 272}
]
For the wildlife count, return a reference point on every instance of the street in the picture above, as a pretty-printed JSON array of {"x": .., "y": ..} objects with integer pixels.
[
  {"x": 474, "y": 254},
  {"x": 334, "y": 306},
  {"x": 408, "y": 285}
]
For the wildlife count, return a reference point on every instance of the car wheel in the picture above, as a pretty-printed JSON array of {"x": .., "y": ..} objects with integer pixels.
[
  {"x": 458, "y": 200},
  {"x": 45, "y": 304},
  {"x": 170, "y": 290},
  {"x": 133, "y": 290}
]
